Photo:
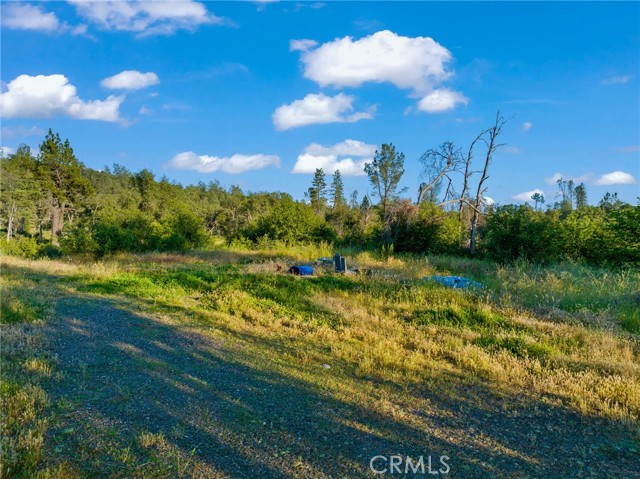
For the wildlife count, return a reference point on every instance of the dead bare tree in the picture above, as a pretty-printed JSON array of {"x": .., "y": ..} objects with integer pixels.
[
  {"x": 468, "y": 172},
  {"x": 492, "y": 146},
  {"x": 437, "y": 164}
]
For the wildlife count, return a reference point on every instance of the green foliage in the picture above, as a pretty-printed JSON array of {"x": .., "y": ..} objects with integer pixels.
[
  {"x": 385, "y": 172},
  {"x": 515, "y": 232},
  {"x": 291, "y": 222},
  {"x": 185, "y": 232},
  {"x": 78, "y": 241},
  {"x": 623, "y": 234},
  {"x": 99, "y": 213},
  {"x": 23, "y": 246},
  {"x": 337, "y": 190},
  {"x": 317, "y": 191},
  {"x": 594, "y": 234},
  {"x": 426, "y": 229}
]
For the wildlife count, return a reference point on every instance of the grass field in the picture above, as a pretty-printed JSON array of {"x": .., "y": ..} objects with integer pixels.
[{"x": 218, "y": 364}]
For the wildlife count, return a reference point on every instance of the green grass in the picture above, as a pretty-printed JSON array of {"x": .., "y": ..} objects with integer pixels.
[{"x": 564, "y": 334}]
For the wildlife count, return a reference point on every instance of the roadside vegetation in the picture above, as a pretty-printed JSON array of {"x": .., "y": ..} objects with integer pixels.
[{"x": 546, "y": 345}]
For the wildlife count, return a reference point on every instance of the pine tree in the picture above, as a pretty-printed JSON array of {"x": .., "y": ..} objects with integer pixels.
[
  {"x": 60, "y": 174},
  {"x": 317, "y": 191},
  {"x": 337, "y": 190}
]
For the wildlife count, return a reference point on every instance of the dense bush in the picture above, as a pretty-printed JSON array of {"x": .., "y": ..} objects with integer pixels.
[
  {"x": 291, "y": 222},
  {"x": 22, "y": 246},
  {"x": 593, "y": 234},
  {"x": 426, "y": 229}
]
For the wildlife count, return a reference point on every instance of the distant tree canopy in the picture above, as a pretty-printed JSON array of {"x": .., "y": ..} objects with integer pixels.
[{"x": 51, "y": 204}]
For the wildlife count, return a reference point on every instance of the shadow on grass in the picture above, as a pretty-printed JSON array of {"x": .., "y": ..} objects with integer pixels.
[{"x": 126, "y": 376}]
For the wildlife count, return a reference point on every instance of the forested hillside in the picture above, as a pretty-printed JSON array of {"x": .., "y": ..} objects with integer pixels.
[{"x": 53, "y": 205}]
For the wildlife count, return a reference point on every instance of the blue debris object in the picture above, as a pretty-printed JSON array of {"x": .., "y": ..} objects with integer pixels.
[
  {"x": 455, "y": 282},
  {"x": 301, "y": 270}
]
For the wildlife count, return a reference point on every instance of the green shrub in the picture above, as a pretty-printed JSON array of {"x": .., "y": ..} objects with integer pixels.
[
  {"x": 22, "y": 246},
  {"x": 78, "y": 241}
]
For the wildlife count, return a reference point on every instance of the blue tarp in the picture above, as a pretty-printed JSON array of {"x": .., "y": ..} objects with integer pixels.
[
  {"x": 301, "y": 270},
  {"x": 456, "y": 282}
]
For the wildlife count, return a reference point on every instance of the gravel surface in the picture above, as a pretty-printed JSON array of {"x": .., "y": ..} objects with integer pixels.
[{"x": 125, "y": 374}]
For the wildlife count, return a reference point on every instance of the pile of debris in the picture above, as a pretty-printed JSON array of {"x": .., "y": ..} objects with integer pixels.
[{"x": 338, "y": 263}]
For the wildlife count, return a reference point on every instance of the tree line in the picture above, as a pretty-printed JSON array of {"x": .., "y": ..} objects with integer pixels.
[{"x": 51, "y": 204}]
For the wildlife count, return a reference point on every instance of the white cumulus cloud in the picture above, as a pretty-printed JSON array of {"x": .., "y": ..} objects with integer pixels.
[
  {"x": 47, "y": 96},
  {"x": 22, "y": 16},
  {"x": 146, "y": 17},
  {"x": 526, "y": 196},
  {"x": 130, "y": 80},
  {"x": 615, "y": 178},
  {"x": 188, "y": 160},
  {"x": 348, "y": 156},
  {"x": 318, "y": 108},
  {"x": 442, "y": 99},
  {"x": 407, "y": 62},
  {"x": 419, "y": 64}
]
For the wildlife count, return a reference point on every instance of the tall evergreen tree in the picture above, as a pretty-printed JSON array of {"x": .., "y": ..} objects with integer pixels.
[
  {"x": 337, "y": 190},
  {"x": 318, "y": 191},
  {"x": 61, "y": 177}
]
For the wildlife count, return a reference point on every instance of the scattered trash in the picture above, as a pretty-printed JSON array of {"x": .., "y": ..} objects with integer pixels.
[
  {"x": 301, "y": 270},
  {"x": 326, "y": 366},
  {"x": 456, "y": 282}
]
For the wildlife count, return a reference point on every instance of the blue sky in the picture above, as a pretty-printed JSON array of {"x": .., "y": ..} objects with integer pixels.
[{"x": 258, "y": 94}]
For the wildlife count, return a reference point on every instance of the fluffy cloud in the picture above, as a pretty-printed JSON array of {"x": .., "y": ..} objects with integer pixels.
[
  {"x": 526, "y": 196},
  {"x": 337, "y": 157},
  {"x": 418, "y": 64},
  {"x": 188, "y": 160},
  {"x": 526, "y": 126},
  {"x": 615, "y": 178},
  {"x": 22, "y": 16},
  {"x": 46, "y": 96},
  {"x": 441, "y": 100},
  {"x": 146, "y": 17},
  {"x": 320, "y": 108},
  {"x": 130, "y": 80}
]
